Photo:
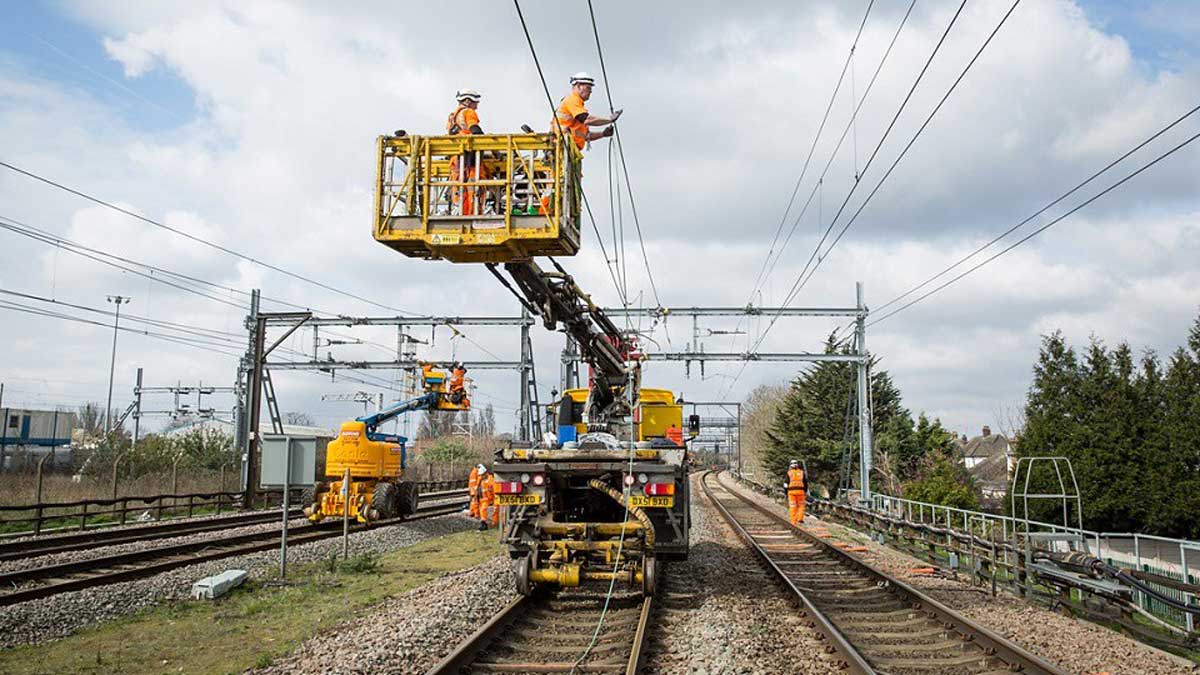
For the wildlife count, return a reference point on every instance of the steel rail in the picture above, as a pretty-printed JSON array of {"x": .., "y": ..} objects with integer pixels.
[
  {"x": 990, "y": 644},
  {"x": 502, "y": 630},
  {"x": 34, "y": 547},
  {"x": 77, "y": 575},
  {"x": 30, "y": 548}
]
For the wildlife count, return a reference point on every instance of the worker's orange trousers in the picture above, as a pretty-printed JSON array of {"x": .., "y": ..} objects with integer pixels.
[
  {"x": 796, "y": 507},
  {"x": 473, "y": 510},
  {"x": 494, "y": 516}
]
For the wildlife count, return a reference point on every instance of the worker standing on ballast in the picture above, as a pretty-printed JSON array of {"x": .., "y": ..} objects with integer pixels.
[
  {"x": 797, "y": 488},
  {"x": 473, "y": 491},
  {"x": 489, "y": 511},
  {"x": 464, "y": 121},
  {"x": 481, "y": 494}
]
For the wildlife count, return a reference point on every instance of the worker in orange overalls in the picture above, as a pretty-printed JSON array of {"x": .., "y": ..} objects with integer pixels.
[
  {"x": 458, "y": 389},
  {"x": 482, "y": 494},
  {"x": 796, "y": 486},
  {"x": 489, "y": 511},
  {"x": 464, "y": 121},
  {"x": 473, "y": 491},
  {"x": 573, "y": 119}
]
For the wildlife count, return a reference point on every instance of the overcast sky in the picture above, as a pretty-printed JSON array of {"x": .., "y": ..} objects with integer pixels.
[{"x": 252, "y": 125}]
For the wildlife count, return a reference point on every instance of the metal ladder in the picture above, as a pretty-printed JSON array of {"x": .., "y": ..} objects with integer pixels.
[{"x": 272, "y": 403}]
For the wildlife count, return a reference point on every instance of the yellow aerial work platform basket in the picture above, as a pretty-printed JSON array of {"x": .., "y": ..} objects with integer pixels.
[{"x": 478, "y": 198}]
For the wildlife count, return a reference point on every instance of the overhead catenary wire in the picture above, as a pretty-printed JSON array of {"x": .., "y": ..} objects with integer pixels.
[
  {"x": 809, "y": 268},
  {"x": 817, "y": 190},
  {"x": 801, "y": 281},
  {"x": 5, "y": 304},
  {"x": 765, "y": 272},
  {"x": 99, "y": 255},
  {"x": 1040, "y": 211},
  {"x": 153, "y": 273},
  {"x": 637, "y": 223},
  {"x": 1041, "y": 229},
  {"x": 813, "y": 146},
  {"x": 199, "y": 240},
  {"x": 858, "y": 177}
]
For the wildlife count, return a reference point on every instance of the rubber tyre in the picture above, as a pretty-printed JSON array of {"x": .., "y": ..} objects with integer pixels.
[
  {"x": 308, "y": 498},
  {"x": 384, "y": 500},
  {"x": 407, "y": 496}
]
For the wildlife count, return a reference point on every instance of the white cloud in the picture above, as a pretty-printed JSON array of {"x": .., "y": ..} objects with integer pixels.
[{"x": 721, "y": 106}]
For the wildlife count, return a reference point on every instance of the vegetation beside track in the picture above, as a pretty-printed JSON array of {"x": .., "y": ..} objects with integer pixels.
[{"x": 254, "y": 624}]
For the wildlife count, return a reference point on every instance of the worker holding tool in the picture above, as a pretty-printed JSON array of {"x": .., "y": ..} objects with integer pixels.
[
  {"x": 473, "y": 491},
  {"x": 573, "y": 117},
  {"x": 797, "y": 486},
  {"x": 464, "y": 121}
]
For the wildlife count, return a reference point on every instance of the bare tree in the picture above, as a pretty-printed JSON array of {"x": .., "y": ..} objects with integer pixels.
[
  {"x": 1010, "y": 420},
  {"x": 298, "y": 419}
]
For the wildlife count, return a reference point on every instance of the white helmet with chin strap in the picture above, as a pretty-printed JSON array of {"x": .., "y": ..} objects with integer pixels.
[
  {"x": 582, "y": 78},
  {"x": 467, "y": 95}
]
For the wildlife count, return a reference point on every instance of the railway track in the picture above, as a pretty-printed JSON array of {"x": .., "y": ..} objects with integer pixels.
[
  {"x": 44, "y": 581},
  {"x": 874, "y": 623},
  {"x": 34, "y": 547},
  {"x": 551, "y": 633}
]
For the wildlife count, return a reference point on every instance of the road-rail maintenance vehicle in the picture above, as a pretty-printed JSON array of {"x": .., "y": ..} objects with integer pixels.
[
  {"x": 612, "y": 502},
  {"x": 377, "y": 461}
]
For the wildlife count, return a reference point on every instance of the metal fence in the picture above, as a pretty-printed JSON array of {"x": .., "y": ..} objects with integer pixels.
[{"x": 91, "y": 513}]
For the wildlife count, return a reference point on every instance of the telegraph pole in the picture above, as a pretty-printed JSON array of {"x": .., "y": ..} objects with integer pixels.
[{"x": 118, "y": 300}]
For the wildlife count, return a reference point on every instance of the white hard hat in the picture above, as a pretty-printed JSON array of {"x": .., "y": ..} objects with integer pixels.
[
  {"x": 464, "y": 94},
  {"x": 582, "y": 78},
  {"x": 482, "y": 468}
]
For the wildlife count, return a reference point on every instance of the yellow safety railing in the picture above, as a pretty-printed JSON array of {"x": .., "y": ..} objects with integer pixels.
[{"x": 478, "y": 198}]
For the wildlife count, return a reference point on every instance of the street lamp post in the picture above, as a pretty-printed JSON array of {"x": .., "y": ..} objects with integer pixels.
[{"x": 118, "y": 300}]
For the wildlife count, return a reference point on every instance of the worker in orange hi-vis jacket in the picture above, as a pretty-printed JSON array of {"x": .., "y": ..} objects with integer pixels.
[
  {"x": 473, "y": 492},
  {"x": 796, "y": 489},
  {"x": 464, "y": 121},
  {"x": 489, "y": 510},
  {"x": 573, "y": 120}
]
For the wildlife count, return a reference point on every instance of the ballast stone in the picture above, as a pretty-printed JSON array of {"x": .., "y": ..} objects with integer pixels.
[{"x": 215, "y": 586}]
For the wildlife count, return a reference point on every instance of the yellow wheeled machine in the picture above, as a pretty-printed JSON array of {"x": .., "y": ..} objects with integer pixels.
[{"x": 377, "y": 461}]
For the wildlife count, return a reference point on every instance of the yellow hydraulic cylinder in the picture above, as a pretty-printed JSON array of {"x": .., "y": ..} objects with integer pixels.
[{"x": 564, "y": 575}]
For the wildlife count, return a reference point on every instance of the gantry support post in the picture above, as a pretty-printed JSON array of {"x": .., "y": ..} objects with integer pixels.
[{"x": 864, "y": 398}]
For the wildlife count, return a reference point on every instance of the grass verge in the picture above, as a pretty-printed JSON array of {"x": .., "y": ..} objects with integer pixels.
[{"x": 254, "y": 624}]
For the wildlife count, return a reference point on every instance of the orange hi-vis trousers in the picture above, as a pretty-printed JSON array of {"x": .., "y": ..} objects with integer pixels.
[{"x": 796, "y": 506}]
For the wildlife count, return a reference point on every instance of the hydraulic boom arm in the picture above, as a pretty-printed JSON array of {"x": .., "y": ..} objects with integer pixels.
[
  {"x": 556, "y": 297},
  {"x": 426, "y": 401}
]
